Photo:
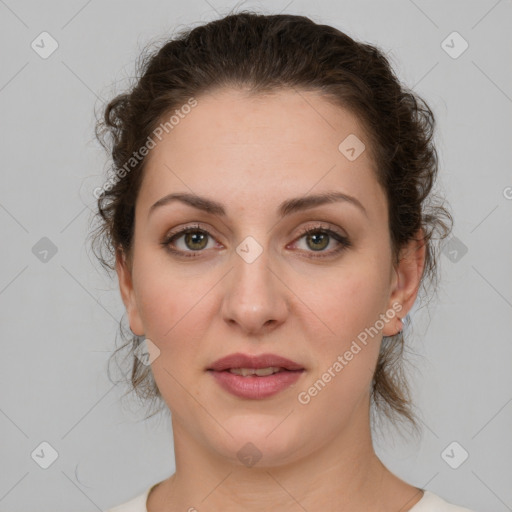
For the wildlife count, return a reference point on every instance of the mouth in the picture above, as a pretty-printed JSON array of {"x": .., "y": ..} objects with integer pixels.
[{"x": 255, "y": 377}]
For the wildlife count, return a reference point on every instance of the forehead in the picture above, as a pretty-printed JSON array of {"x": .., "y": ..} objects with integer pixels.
[
  {"x": 284, "y": 143},
  {"x": 284, "y": 116}
]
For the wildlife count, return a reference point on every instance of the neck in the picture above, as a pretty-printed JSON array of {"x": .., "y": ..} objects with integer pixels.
[{"x": 342, "y": 472}]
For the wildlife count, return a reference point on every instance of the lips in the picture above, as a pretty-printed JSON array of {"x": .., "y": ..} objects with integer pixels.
[
  {"x": 242, "y": 384},
  {"x": 240, "y": 360}
]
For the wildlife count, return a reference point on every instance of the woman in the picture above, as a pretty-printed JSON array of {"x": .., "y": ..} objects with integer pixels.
[{"x": 271, "y": 221}]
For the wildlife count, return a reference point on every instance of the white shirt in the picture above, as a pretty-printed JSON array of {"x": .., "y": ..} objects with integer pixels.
[{"x": 430, "y": 502}]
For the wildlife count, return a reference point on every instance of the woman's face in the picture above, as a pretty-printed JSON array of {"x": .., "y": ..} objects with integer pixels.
[{"x": 248, "y": 280}]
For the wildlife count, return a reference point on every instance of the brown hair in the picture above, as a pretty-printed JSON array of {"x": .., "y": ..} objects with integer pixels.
[{"x": 263, "y": 53}]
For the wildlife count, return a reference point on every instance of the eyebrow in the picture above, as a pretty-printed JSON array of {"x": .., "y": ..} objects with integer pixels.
[{"x": 285, "y": 208}]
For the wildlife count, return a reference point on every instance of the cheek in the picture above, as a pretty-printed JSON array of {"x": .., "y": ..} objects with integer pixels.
[
  {"x": 176, "y": 309},
  {"x": 346, "y": 309},
  {"x": 347, "y": 301},
  {"x": 176, "y": 312},
  {"x": 346, "y": 354}
]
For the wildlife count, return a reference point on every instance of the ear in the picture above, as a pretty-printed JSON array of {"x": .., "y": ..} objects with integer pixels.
[
  {"x": 124, "y": 275},
  {"x": 406, "y": 281}
]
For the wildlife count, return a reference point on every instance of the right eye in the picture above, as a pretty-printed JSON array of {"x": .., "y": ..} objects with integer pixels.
[{"x": 187, "y": 241}]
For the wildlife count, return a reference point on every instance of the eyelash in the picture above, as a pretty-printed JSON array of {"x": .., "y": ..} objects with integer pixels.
[{"x": 344, "y": 242}]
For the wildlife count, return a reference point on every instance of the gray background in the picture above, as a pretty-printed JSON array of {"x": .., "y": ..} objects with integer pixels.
[{"x": 59, "y": 313}]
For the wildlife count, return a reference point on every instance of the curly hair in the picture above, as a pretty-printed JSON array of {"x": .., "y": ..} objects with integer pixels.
[{"x": 264, "y": 53}]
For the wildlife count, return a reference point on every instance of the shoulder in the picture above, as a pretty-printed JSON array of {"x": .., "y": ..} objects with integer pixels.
[
  {"x": 137, "y": 504},
  {"x": 433, "y": 503}
]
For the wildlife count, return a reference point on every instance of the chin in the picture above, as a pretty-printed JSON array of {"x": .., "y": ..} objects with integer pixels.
[{"x": 260, "y": 440}]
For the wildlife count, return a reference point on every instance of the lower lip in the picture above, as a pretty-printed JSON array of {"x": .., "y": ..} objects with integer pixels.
[{"x": 256, "y": 387}]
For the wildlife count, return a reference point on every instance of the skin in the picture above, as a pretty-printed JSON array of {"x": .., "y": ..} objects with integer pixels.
[{"x": 250, "y": 153}]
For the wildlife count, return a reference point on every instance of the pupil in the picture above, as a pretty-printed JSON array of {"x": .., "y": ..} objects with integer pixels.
[
  {"x": 314, "y": 237},
  {"x": 195, "y": 238}
]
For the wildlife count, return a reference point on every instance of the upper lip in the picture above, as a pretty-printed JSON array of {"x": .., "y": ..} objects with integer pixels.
[{"x": 240, "y": 360}]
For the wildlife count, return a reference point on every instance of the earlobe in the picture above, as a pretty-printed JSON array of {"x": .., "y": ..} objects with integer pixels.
[
  {"x": 127, "y": 291},
  {"x": 408, "y": 273}
]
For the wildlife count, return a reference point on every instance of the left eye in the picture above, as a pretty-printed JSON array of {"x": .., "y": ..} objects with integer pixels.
[{"x": 318, "y": 239}]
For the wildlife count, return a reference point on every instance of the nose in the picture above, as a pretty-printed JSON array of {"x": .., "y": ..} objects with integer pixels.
[{"x": 255, "y": 299}]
